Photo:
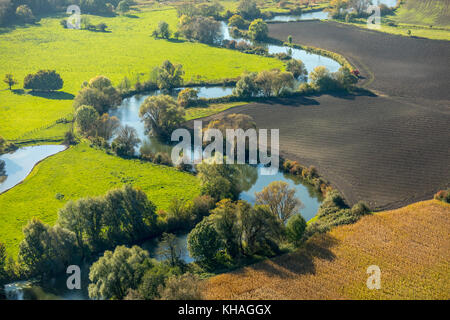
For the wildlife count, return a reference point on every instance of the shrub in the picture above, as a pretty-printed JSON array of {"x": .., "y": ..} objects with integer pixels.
[
  {"x": 443, "y": 195},
  {"x": 43, "y": 80},
  {"x": 295, "y": 228}
]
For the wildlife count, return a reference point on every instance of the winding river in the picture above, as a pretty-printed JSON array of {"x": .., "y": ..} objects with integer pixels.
[{"x": 20, "y": 164}]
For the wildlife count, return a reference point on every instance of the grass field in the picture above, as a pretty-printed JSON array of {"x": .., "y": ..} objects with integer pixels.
[
  {"x": 423, "y": 18},
  {"x": 78, "y": 55},
  {"x": 410, "y": 245},
  {"x": 82, "y": 171}
]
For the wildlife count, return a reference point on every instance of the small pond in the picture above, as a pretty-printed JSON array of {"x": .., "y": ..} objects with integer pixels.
[{"x": 19, "y": 163}]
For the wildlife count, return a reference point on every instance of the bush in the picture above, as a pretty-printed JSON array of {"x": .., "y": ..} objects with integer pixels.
[
  {"x": 295, "y": 228},
  {"x": 43, "y": 80},
  {"x": 443, "y": 195}
]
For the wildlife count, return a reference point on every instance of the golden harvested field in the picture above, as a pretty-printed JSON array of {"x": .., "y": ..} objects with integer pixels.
[{"x": 411, "y": 245}]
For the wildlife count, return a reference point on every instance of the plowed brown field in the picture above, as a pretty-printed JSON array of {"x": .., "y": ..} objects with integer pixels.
[
  {"x": 411, "y": 246},
  {"x": 388, "y": 150}
]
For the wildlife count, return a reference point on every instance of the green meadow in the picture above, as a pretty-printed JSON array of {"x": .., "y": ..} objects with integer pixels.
[
  {"x": 127, "y": 49},
  {"x": 79, "y": 172}
]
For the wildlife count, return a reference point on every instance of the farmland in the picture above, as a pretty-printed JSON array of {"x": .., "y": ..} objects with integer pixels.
[
  {"x": 402, "y": 151},
  {"x": 79, "y": 172},
  {"x": 410, "y": 245},
  {"x": 79, "y": 55}
]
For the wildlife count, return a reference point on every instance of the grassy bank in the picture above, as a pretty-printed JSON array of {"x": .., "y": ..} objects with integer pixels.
[
  {"x": 79, "y": 172},
  {"x": 78, "y": 55}
]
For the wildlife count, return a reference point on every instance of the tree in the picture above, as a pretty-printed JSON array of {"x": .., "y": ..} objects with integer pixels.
[
  {"x": 161, "y": 115},
  {"x": 128, "y": 216},
  {"x": 295, "y": 228},
  {"x": 297, "y": 68},
  {"x": 246, "y": 86},
  {"x": 86, "y": 118},
  {"x": 43, "y": 80},
  {"x": 183, "y": 287},
  {"x": 123, "y": 7},
  {"x": 84, "y": 218},
  {"x": 258, "y": 30},
  {"x": 115, "y": 272},
  {"x": 274, "y": 82},
  {"x": 280, "y": 199},
  {"x": 237, "y": 21},
  {"x": 99, "y": 93},
  {"x": 360, "y": 6},
  {"x": 187, "y": 97},
  {"x": 289, "y": 39},
  {"x": 210, "y": 10},
  {"x": 2, "y": 170},
  {"x": 154, "y": 279},
  {"x": 345, "y": 78},
  {"x": 220, "y": 181},
  {"x": 3, "y": 261},
  {"x": 321, "y": 79},
  {"x": 203, "y": 29},
  {"x": 46, "y": 250},
  {"x": 24, "y": 13},
  {"x": 225, "y": 217},
  {"x": 163, "y": 30},
  {"x": 169, "y": 75},
  {"x": 204, "y": 243},
  {"x": 125, "y": 142},
  {"x": 171, "y": 250},
  {"x": 261, "y": 229},
  {"x": 248, "y": 9},
  {"x": 9, "y": 80},
  {"x": 106, "y": 126}
]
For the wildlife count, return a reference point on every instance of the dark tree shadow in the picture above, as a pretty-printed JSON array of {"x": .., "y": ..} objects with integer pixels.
[
  {"x": 54, "y": 95},
  {"x": 18, "y": 91},
  {"x": 301, "y": 261}
]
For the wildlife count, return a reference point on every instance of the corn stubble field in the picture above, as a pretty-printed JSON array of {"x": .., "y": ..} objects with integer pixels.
[{"x": 411, "y": 246}]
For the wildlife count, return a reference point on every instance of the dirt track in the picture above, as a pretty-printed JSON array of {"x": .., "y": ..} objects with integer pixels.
[{"x": 388, "y": 150}]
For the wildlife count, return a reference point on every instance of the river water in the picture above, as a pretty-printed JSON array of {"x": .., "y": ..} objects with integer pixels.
[{"x": 20, "y": 163}]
